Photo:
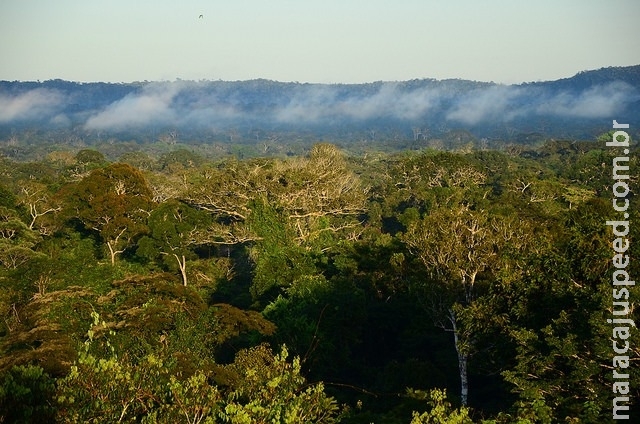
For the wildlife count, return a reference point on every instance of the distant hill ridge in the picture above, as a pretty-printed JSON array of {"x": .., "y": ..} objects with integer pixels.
[{"x": 579, "y": 106}]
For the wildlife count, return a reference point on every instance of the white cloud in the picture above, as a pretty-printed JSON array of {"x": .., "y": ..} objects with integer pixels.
[
  {"x": 597, "y": 102},
  {"x": 315, "y": 103},
  {"x": 492, "y": 103},
  {"x": 152, "y": 105},
  {"x": 32, "y": 104}
]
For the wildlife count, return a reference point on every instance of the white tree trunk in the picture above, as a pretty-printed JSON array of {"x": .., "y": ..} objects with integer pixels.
[
  {"x": 113, "y": 253},
  {"x": 182, "y": 264},
  {"x": 111, "y": 244},
  {"x": 462, "y": 362}
]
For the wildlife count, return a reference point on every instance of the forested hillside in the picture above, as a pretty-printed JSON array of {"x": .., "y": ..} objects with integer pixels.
[
  {"x": 271, "y": 116},
  {"x": 316, "y": 287}
]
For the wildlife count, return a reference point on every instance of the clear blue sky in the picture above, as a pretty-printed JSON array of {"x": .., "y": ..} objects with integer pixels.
[{"x": 314, "y": 40}]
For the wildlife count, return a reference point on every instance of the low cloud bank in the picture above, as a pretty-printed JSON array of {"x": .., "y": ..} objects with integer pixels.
[
  {"x": 314, "y": 104},
  {"x": 211, "y": 104}
]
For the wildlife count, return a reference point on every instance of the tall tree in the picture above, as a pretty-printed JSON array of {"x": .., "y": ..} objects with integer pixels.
[
  {"x": 557, "y": 314},
  {"x": 173, "y": 228},
  {"x": 319, "y": 193},
  {"x": 456, "y": 245},
  {"x": 36, "y": 198},
  {"x": 115, "y": 202},
  {"x": 16, "y": 239}
]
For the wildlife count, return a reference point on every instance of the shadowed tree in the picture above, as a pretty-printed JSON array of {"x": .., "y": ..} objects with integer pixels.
[{"x": 173, "y": 228}]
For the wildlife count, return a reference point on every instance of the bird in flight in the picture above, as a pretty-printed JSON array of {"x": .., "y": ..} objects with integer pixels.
[{"x": 201, "y": 16}]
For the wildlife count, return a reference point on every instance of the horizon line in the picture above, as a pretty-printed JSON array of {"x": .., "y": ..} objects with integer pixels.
[{"x": 180, "y": 79}]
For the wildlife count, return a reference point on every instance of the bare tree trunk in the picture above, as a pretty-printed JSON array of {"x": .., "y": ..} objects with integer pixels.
[
  {"x": 111, "y": 244},
  {"x": 113, "y": 253},
  {"x": 182, "y": 264},
  {"x": 462, "y": 361}
]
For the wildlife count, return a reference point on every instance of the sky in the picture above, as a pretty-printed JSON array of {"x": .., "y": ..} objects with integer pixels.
[{"x": 324, "y": 41}]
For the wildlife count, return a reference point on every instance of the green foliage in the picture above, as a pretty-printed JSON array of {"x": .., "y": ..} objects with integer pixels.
[
  {"x": 230, "y": 322},
  {"x": 429, "y": 180},
  {"x": 137, "y": 159},
  {"x": 89, "y": 156},
  {"x": 258, "y": 387},
  {"x": 146, "y": 306},
  {"x": 278, "y": 260},
  {"x": 115, "y": 390},
  {"x": 26, "y": 395},
  {"x": 7, "y": 198},
  {"x": 113, "y": 201},
  {"x": 441, "y": 411},
  {"x": 268, "y": 388},
  {"x": 170, "y": 227},
  {"x": 347, "y": 261},
  {"x": 558, "y": 315},
  {"x": 179, "y": 159},
  {"x": 100, "y": 391},
  {"x": 172, "y": 233},
  {"x": 43, "y": 330},
  {"x": 16, "y": 240}
]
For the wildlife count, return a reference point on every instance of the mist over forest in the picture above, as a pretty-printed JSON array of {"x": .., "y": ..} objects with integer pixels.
[{"x": 576, "y": 107}]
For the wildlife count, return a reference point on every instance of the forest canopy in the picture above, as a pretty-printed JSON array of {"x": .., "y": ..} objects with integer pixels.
[{"x": 423, "y": 286}]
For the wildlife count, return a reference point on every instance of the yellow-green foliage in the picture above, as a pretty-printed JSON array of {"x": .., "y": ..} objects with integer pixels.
[
  {"x": 440, "y": 410},
  {"x": 260, "y": 387}
]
